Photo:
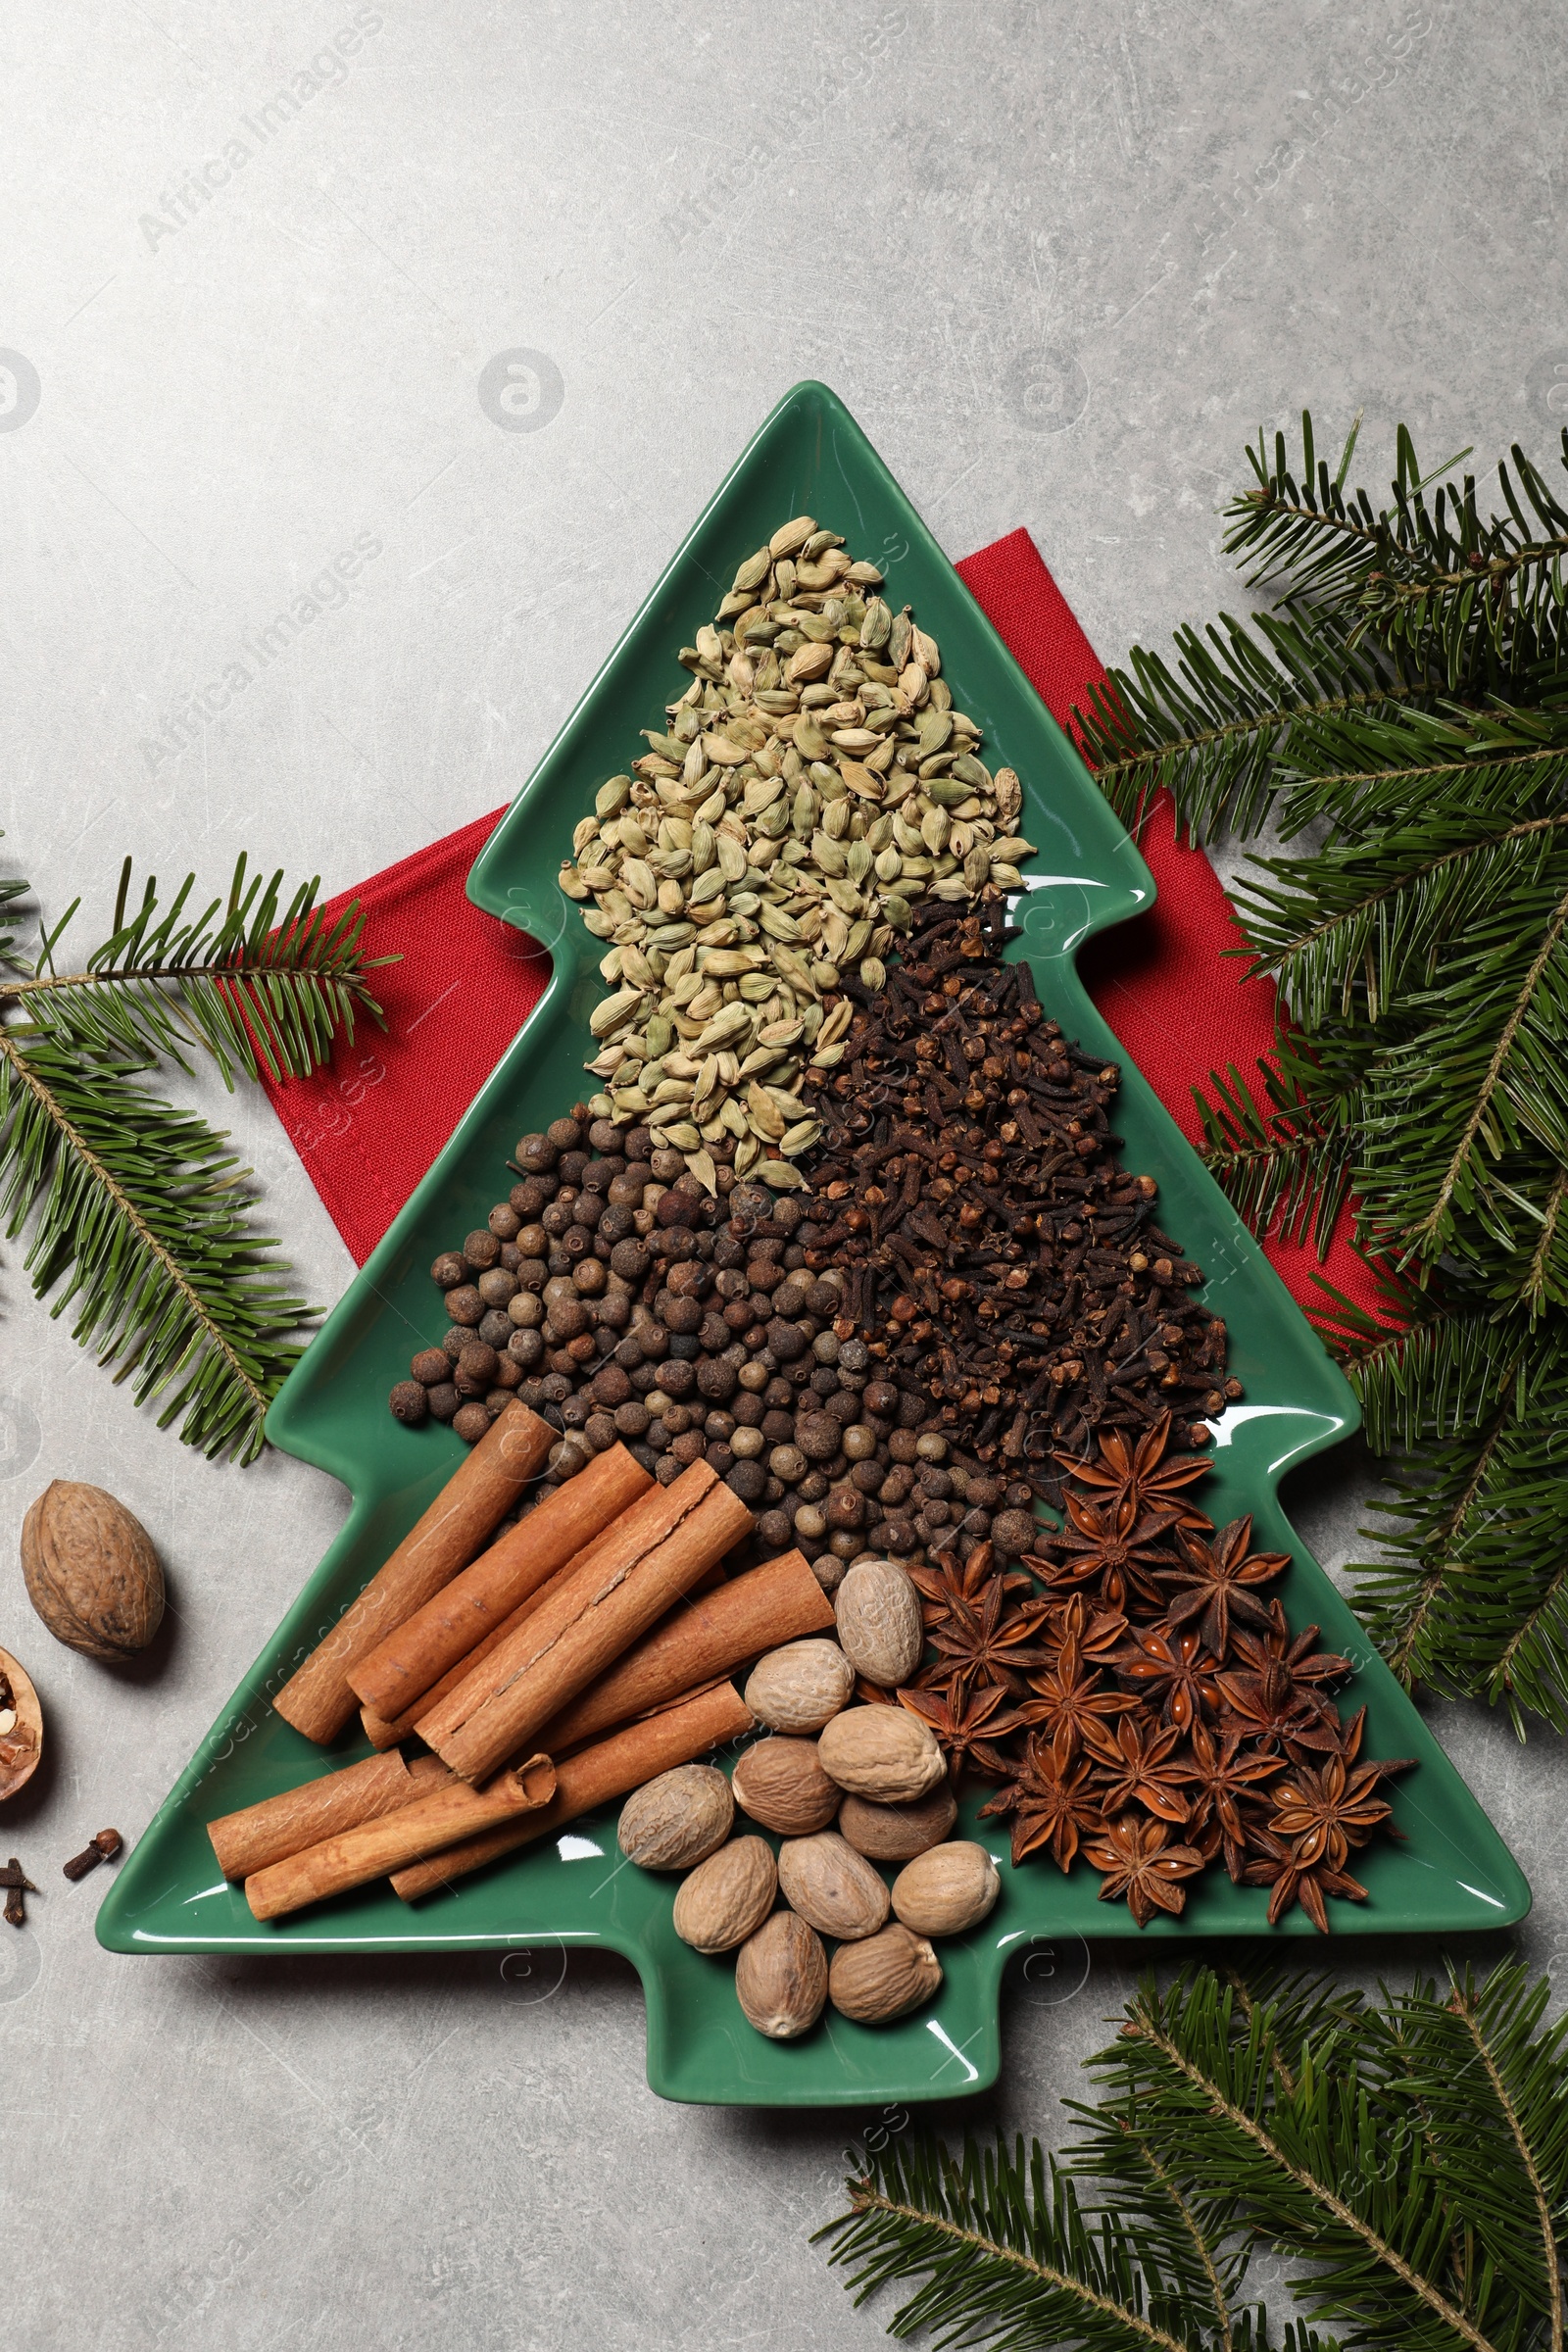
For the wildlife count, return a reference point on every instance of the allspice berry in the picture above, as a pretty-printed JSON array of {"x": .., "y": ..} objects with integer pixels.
[
  {"x": 91, "y": 1571},
  {"x": 410, "y": 1402}
]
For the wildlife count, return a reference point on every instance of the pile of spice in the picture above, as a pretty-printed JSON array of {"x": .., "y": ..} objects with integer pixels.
[
  {"x": 1151, "y": 1707},
  {"x": 813, "y": 784},
  {"x": 851, "y": 1787},
  {"x": 990, "y": 1244},
  {"x": 617, "y": 1295}
]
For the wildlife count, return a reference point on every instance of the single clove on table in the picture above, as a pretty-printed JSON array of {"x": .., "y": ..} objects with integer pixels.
[
  {"x": 16, "y": 1883},
  {"x": 101, "y": 1848}
]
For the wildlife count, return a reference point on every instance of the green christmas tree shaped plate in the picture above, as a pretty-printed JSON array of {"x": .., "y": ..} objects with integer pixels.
[{"x": 1448, "y": 1872}]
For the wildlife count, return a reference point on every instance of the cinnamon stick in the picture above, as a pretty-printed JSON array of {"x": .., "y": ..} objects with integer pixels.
[
  {"x": 416, "y": 1654},
  {"x": 317, "y": 1699},
  {"x": 703, "y": 1636},
  {"x": 621, "y": 1763},
  {"x": 383, "y": 1735},
  {"x": 356, "y": 1856},
  {"x": 650, "y": 1555},
  {"x": 279, "y": 1825}
]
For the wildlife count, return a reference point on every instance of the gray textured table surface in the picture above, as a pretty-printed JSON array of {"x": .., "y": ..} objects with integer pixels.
[{"x": 1060, "y": 258}]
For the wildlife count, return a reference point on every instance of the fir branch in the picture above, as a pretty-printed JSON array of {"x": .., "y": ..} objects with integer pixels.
[
  {"x": 1005, "y": 2253},
  {"x": 258, "y": 984},
  {"x": 1470, "y": 1591},
  {"x": 139, "y": 1217},
  {"x": 1410, "y": 2154},
  {"x": 1406, "y": 702}
]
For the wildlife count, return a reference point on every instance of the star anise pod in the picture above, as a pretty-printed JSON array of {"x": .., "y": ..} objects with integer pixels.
[
  {"x": 967, "y": 1727},
  {"x": 1213, "y": 1578},
  {"x": 1295, "y": 1650},
  {"x": 1323, "y": 1813},
  {"x": 1067, "y": 1698},
  {"x": 1224, "y": 1773},
  {"x": 1270, "y": 1703},
  {"x": 1117, "y": 1543},
  {"x": 952, "y": 1579},
  {"x": 1096, "y": 1635},
  {"x": 1137, "y": 1767},
  {"x": 1139, "y": 1866},
  {"x": 1142, "y": 1471},
  {"x": 982, "y": 1643},
  {"x": 1051, "y": 1800},
  {"x": 1293, "y": 1880},
  {"x": 1173, "y": 1671},
  {"x": 1349, "y": 1747}
]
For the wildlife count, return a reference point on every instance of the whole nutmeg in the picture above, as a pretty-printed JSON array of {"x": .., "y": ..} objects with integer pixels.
[
  {"x": 881, "y": 1752},
  {"x": 947, "y": 1889},
  {"x": 91, "y": 1572},
  {"x": 884, "y": 1978},
  {"x": 781, "y": 1783},
  {"x": 677, "y": 1819},
  {"x": 727, "y": 1897},
  {"x": 898, "y": 1833},
  {"x": 832, "y": 1887},
  {"x": 879, "y": 1625},
  {"x": 781, "y": 1976},
  {"x": 801, "y": 1686}
]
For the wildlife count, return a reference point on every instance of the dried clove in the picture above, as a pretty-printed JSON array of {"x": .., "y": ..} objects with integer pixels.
[
  {"x": 995, "y": 1254},
  {"x": 16, "y": 1883},
  {"x": 101, "y": 1848}
]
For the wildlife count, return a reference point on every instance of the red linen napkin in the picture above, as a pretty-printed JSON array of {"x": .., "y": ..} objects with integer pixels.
[{"x": 370, "y": 1126}]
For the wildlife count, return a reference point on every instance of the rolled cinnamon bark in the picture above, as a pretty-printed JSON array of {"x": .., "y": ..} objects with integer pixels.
[
  {"x": 356, "y": 1856},
  {"x": 609, "y": 1770},
  {"x": 284, "y": 1825},
  {"x": 652, "y": 1553},
  {"x": 416, "y": 1654},
  {"x": 383, "y": 1734},
  {"x": 703, "y": 1636},
  {"x": 317, "y": 1699}
]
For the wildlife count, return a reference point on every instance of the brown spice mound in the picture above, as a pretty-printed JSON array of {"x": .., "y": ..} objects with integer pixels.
[
  {"x": 1151, "y": 1707},
  {"x": 993, "y": 1250}
]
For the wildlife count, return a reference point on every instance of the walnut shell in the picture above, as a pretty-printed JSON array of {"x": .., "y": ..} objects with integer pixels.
[
  {"x": 21, "y": 1738},
  {"x": 727, "y": 1897},
  {"x": 781, "y": 1976},
  {"x": 898, "y": 1833},
  {"x": 832, "y": 1887},
  {"x": 781, "y": 1783},
  {"x": 881, "y": 1752},
  {"x": 885, "y": 1977},
  {"x": 947, "y": 1889},
  {"x": 878, "y": 1613},
  {"x": 801, "y": 1686},
  {"x": 677, "y": 1819},
  {"x": 92, "y": 1574}
]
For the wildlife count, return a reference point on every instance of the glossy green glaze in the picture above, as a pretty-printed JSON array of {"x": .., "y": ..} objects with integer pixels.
[{"x": 1450, "y": 1874}]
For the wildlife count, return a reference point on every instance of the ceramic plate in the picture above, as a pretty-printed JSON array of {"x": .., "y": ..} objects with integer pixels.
[{"x": 1451, "y": 1873}]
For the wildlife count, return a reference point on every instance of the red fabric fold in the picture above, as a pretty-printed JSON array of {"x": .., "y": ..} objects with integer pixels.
[{"x": 370, "y": 1125}]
